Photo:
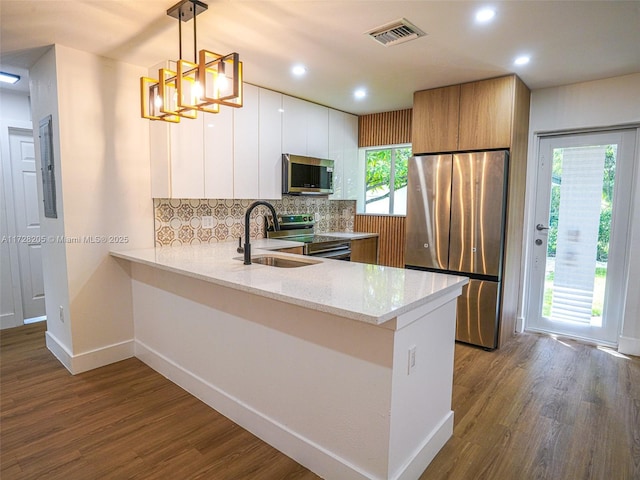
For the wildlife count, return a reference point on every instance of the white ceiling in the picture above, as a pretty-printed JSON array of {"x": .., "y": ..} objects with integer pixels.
[{"x": 568, "y": 41}]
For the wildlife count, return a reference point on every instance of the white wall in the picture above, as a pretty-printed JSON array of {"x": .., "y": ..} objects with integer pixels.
[
  {"x": 44, "y": 102},
  {"x": 102, "y": 155},
  {"x": 14, "y": 113},
  {"x": 596, "y": 104},
  {"x": 14, "y": 105}
]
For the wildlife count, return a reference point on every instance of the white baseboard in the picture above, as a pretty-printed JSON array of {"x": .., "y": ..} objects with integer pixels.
[
  {"x": 309, "y": 454},
  {"x": 429, "y": 449},
  {"x": 59, "y": 351},
  {"x": 92, "y": 359},
  {"x": 629, "y": 346}
]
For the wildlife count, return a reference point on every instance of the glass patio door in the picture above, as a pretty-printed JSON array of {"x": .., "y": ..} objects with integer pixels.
[{"x": 579, "y": 242}]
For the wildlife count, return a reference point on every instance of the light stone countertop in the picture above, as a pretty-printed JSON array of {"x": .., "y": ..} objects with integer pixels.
[{"x": 368, "y": 293}]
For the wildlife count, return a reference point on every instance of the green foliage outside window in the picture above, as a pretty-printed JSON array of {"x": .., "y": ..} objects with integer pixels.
[{"x": 379, "y": 172}]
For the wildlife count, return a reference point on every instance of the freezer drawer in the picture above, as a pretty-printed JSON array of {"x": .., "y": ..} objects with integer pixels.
[
  {"x": 477, "y": 316},
  {"x": 428, "y": 211}
]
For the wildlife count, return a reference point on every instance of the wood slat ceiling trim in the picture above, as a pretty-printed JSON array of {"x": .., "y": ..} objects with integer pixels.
[{"x": 386, "y": 128}]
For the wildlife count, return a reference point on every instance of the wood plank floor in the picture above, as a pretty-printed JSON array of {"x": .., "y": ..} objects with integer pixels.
[{"x": 537, "y": 409}]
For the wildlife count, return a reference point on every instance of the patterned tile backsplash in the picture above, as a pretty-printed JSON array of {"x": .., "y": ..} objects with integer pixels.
[{"x": 179, "y": 221}]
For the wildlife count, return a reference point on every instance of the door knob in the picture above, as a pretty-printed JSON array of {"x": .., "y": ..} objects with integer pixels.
[
  {"x": 538, "y": 241},
  {"x": 540, "y": 227}
]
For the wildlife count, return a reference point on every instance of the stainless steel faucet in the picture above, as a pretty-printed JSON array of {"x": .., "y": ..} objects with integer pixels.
[{"x": 247, "y": 246}]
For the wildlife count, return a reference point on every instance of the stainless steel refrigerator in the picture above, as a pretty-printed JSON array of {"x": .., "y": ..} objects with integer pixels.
[{"x": 456, "y": 210}]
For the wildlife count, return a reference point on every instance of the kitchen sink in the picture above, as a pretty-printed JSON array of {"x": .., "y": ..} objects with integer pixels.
[{"x": 280, "y": 261}]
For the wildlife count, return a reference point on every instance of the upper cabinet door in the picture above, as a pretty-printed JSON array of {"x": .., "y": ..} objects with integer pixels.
[
  {"x": 187, "y": 166},
  {"x": 486, "y": 112},
  {"x": 159, "y": 149},
  {"x": 435, "y": 120},
  {"x": 317, "y": 130},
  {"x": 270, "y": 145},
  {"x": 294, "y": 125},
  {"x": 305, "y": 128},
  {"x": 245, "y": 145},
  {"x": 218, "y": 153},
  {"x": 336, "y": 150},
  {"x": 343, "y": 150},
  {"x": 353, "y": 174}
]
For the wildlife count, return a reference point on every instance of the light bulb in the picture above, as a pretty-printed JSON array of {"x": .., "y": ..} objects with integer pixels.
[
  {"x": 196, "y": 92},
  {"x": 222, "y": 82}
]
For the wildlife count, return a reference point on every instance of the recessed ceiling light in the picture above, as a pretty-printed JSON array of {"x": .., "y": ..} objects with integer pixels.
[
  {"x": 299, "y": 70},
  {"x": 522, "y": 60},
  {"x": 9, "y": 78},
  {"x": 484, "y": 15},
  {"x": 360, "y": 93}
]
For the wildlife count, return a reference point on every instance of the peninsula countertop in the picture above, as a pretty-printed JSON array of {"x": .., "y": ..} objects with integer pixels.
[{"x": 368, "y": 293}]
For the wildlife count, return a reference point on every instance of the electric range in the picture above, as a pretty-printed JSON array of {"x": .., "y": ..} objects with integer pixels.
[{"x": 301, "y": 228}]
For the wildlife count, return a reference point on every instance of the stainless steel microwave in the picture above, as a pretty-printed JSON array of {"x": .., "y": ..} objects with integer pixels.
[{"x": 306, "y": 175}]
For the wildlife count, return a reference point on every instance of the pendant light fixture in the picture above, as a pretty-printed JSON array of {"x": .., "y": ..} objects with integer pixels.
[{"x": 203, "y": 85}]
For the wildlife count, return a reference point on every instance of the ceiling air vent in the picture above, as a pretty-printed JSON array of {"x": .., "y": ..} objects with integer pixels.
[{"x": 396, "y": 32}]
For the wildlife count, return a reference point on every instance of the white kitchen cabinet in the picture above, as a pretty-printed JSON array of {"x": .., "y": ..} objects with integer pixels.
[
  {"x": 237, "y": 153},
  {"x": 270, "y": 145},
  {"x": 218, "y": 153},
  {"x": 187, "y": 159},
  {"x": 317, "y": 130},
  {"x": 343, "y": 149},
  {"x": 353, "y": 176},
  {"x": 160, "y": 160},
  {"x": 336, "y": 150},
  {"x": 294, "y": 126},
  {"x": 177, "y": 166},
  {"x": 246, "y": 145},
  {"x": 305, "y": 128},
  {"x": 176, "y": 149}
]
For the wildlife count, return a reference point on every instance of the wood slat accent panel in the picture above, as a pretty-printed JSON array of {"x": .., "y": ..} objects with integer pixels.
[
  {"x": 392, "y": 234},
  {"x": 386, "y": 128}
]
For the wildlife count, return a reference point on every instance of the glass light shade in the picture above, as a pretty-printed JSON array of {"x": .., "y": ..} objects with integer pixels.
[{"x": 221, "y": 78}]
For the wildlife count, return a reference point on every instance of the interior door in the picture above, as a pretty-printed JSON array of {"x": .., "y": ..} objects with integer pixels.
[
  {"x": 25, "y": 190},
  {"x": 580, "y": 235}
]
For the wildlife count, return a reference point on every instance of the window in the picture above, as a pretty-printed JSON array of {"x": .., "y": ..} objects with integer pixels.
[{"x": 386, "y": 180}]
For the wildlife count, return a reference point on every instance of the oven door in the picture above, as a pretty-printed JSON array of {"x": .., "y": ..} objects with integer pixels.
[{"x": 338, "y": 250}]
